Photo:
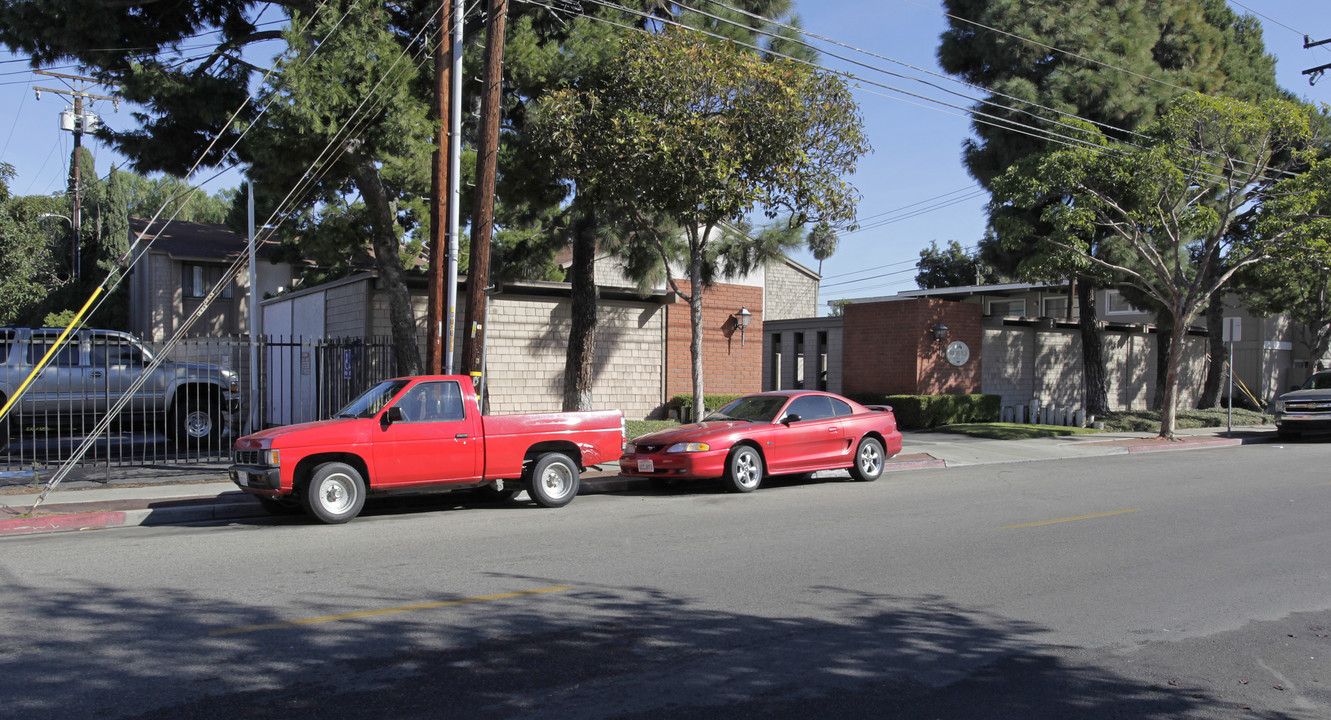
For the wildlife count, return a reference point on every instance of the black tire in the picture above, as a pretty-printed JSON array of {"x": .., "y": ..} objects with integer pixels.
[
  {"x": 283, "y": 505},
  {"x": 744, "y": 470},
  {"x": 334, "y": 494},
  {"x": 4, "y": 425},
  {"x": 488, "y": 493},
  {"x": 869, "y": 459},
  {"x": 554, "y": 481}
]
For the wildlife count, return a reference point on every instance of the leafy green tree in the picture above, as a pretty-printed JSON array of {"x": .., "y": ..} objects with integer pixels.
[
  {"x": 951, "y": 267},
  {"x": 698, "y": 135},
  {"x": 28, "y": 267},
  {"x": 1171, "y": 203},
  {"x": 1114, "y": 65}
]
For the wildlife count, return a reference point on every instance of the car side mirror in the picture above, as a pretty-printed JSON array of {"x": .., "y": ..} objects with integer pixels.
[
  {"x": 791, "y": 418},
  {"x": 394, "y": 414}
]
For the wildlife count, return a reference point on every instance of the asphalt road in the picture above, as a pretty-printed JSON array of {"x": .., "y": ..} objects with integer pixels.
[{"x": 1163, "y": 585}]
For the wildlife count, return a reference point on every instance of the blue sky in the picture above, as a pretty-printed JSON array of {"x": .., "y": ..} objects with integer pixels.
[{"x": 914, "y": 186}]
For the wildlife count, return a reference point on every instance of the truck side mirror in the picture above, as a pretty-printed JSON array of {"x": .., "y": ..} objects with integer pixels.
[{"x": 394, "y": 414}]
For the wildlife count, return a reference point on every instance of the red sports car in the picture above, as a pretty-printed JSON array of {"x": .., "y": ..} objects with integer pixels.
[{"x": 772, "y": 433}]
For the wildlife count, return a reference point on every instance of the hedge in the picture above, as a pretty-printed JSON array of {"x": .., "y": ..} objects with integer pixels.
[
  {"x": 926, "y": 411},
  {"x": 684, "y": 403}
]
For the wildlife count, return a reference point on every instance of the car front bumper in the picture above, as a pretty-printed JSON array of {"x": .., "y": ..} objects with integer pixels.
[{"x": 682, "y": 466}]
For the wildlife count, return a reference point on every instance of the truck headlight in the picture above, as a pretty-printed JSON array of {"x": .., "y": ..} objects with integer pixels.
[{"x": 689, "y": 447}]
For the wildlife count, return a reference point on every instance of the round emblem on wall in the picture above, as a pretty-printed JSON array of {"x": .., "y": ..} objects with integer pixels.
[{"x": 958, "y": 352}]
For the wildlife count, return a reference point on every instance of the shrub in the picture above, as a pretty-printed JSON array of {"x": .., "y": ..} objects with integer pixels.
[
  {"x": 682, "y": 405},
  {"x": 927, "y": 411}
]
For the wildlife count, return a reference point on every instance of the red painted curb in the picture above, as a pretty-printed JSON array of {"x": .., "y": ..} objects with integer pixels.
[{"x": 61, "y": 523}]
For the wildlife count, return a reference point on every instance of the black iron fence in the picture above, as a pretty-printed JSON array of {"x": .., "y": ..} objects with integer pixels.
[{"x": 187, "y": 412}]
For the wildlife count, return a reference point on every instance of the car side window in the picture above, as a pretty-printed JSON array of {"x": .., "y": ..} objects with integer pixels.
[
  {"x": 433, "y": 402},
  {"x": 67, "y": 356},
  {"x": 811, "y": 407},
  {"x": 840, "y": 407}
]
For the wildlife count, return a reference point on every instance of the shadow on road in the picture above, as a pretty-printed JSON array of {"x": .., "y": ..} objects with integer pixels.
[{"x": 585, "y": 652}]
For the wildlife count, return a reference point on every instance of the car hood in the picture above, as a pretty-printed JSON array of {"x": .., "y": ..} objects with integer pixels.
[
  {"x": 336, "y": 431},
  {"x": 696, "y": 432}
]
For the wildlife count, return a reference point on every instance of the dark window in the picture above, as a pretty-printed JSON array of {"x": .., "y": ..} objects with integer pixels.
[
  {"x": 113, "y": 350},
  {"x": 840, "y": 408},
  {"x": 811, "y": 407},
  {"x": 197, "y": 280},
  {"x": 433, "y": 402},
  {"x": 68, "y": 356}
]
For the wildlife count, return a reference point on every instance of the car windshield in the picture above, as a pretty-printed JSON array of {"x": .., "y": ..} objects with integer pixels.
[
  {"x": 373, "y": 400},
  {"x": 1320, "y": 381},
  {"x": 754, "y": 408}
]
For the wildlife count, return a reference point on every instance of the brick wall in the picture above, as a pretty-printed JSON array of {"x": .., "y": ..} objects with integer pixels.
[
  {"x": 731, "y": 362},
  {"x": 888, "y": 347}
]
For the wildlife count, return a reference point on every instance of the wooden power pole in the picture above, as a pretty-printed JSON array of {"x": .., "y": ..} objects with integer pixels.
[
  {"x": 436, "y": 346},
  {"x": 487, "y": 161}
]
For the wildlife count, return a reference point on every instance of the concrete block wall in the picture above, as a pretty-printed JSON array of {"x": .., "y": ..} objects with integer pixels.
[
  {"x": 781, "y": 353},
  {"x": 528, "y": 340},
  {"x": 732, "y": 361},
  {"x": 344, "y": 310},
  {"x": 790, "y": 293}
]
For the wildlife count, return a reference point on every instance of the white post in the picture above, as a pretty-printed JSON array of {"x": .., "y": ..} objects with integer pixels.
[{"x": 454, "y": 195}]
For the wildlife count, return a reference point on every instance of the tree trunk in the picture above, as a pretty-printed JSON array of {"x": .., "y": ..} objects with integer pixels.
[
  {"x": 1173, "y": 364},
  {"x": 1092, "y": 352},
  {"x": 582, "y": 330},
  {"x": 695, "y": 328},
  {"x": 1164, "y": 335},
  {"x": 1215, "y": 369},
  {"x": 388, "y": 260}
]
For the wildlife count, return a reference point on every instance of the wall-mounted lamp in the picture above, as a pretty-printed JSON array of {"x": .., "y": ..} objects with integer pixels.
[
  {"x": 742, "y": 319},
  {"x": 939, "y": 332}
]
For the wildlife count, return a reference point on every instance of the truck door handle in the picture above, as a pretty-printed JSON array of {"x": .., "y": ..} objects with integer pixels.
[
  {"x": 460, "y": 436},
  {"x": 96, "y": 373}
]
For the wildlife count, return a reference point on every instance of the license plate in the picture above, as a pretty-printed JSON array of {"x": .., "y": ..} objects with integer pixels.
[{"x": 646, "y": 466}]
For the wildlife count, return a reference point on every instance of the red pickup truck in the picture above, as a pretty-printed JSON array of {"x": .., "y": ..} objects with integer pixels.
[{"x": 415, "y": 433}]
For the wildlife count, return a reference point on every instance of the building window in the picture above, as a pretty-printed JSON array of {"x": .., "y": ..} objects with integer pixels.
[
  {"x": 1056, "y": 307},
  {"x": 776, "y": 361},
  {"x": 1008, "y": 308},
  {"x": 822, "y": 361},
  {"x": 198, "y": 279},
  {"x": 1115, "y": 304}
]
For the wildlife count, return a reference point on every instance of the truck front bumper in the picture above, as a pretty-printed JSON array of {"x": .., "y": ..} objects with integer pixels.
[{"x": 256, "y": 478}]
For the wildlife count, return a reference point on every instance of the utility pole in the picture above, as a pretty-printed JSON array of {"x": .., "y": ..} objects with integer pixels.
[
  {"x": 482, "y": 218},
  {"x": 78, "y": 123},
  {"x": 442, "y": 198},
  {"x": 1315, "y": 73}
]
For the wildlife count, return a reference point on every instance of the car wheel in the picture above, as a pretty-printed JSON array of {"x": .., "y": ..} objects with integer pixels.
[
  {"x": 744, "y": 470},
  {"x": 554, "y": 481},
  {"x": 868, "y": 460},
  {"x": 196, "y": 423},
  {"x": 285, "y": 505},
  {"x": 335, "y": 493}
]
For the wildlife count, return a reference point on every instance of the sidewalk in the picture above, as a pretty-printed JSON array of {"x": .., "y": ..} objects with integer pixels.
[{"x": 203, "y": 495}]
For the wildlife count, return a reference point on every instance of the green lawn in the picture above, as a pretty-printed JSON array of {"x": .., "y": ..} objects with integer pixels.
[{"x": 1011, "y": 431}]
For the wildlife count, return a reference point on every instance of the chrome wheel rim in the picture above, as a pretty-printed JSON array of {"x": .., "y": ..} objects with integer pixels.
[
  {"x": 557, "y": 480},
  {"x": 198, "y": 424},
  {"x": 747, "y": 473},
  {"x": 871, "y": 461},
  {"x": 337, "y": 494}
]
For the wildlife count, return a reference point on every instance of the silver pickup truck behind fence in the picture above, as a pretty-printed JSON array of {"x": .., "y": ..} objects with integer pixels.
[{"x": 190, "y": 408}]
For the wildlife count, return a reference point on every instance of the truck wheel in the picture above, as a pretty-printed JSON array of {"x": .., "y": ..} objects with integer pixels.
[
  {"x": 284, "y": 505},
  {"x": 4, "y": 426},
  {"x": 744, "y": 470},
  {"x": 868, "y": 461},
  {"x": 196, "y": 423},
  {"x": 334, "y": 494},
  {"x": 554, "y": 481}
]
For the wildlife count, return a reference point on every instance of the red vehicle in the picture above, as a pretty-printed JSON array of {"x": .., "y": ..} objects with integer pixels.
[
  {"x": 416, "y": 433},
  {"x": 773, "y": 433}
]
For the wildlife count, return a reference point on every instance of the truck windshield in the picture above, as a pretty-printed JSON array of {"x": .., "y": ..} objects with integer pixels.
[{"x": 373, "y": 400}]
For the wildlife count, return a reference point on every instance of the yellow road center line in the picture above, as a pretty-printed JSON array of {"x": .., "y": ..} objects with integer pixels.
[
  {"x": 389, "y": 611},
  {"x": 1067, "y": 519}
]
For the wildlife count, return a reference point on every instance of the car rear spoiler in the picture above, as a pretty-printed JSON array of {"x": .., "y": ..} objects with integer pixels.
[{"x": 879, "y": 408}]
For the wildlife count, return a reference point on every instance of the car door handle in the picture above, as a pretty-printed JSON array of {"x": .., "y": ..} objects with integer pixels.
[
  {"x": 832, "y": 429},
  {"x": 460, "y": 436},
  {"x": 96, "y": 373}
]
